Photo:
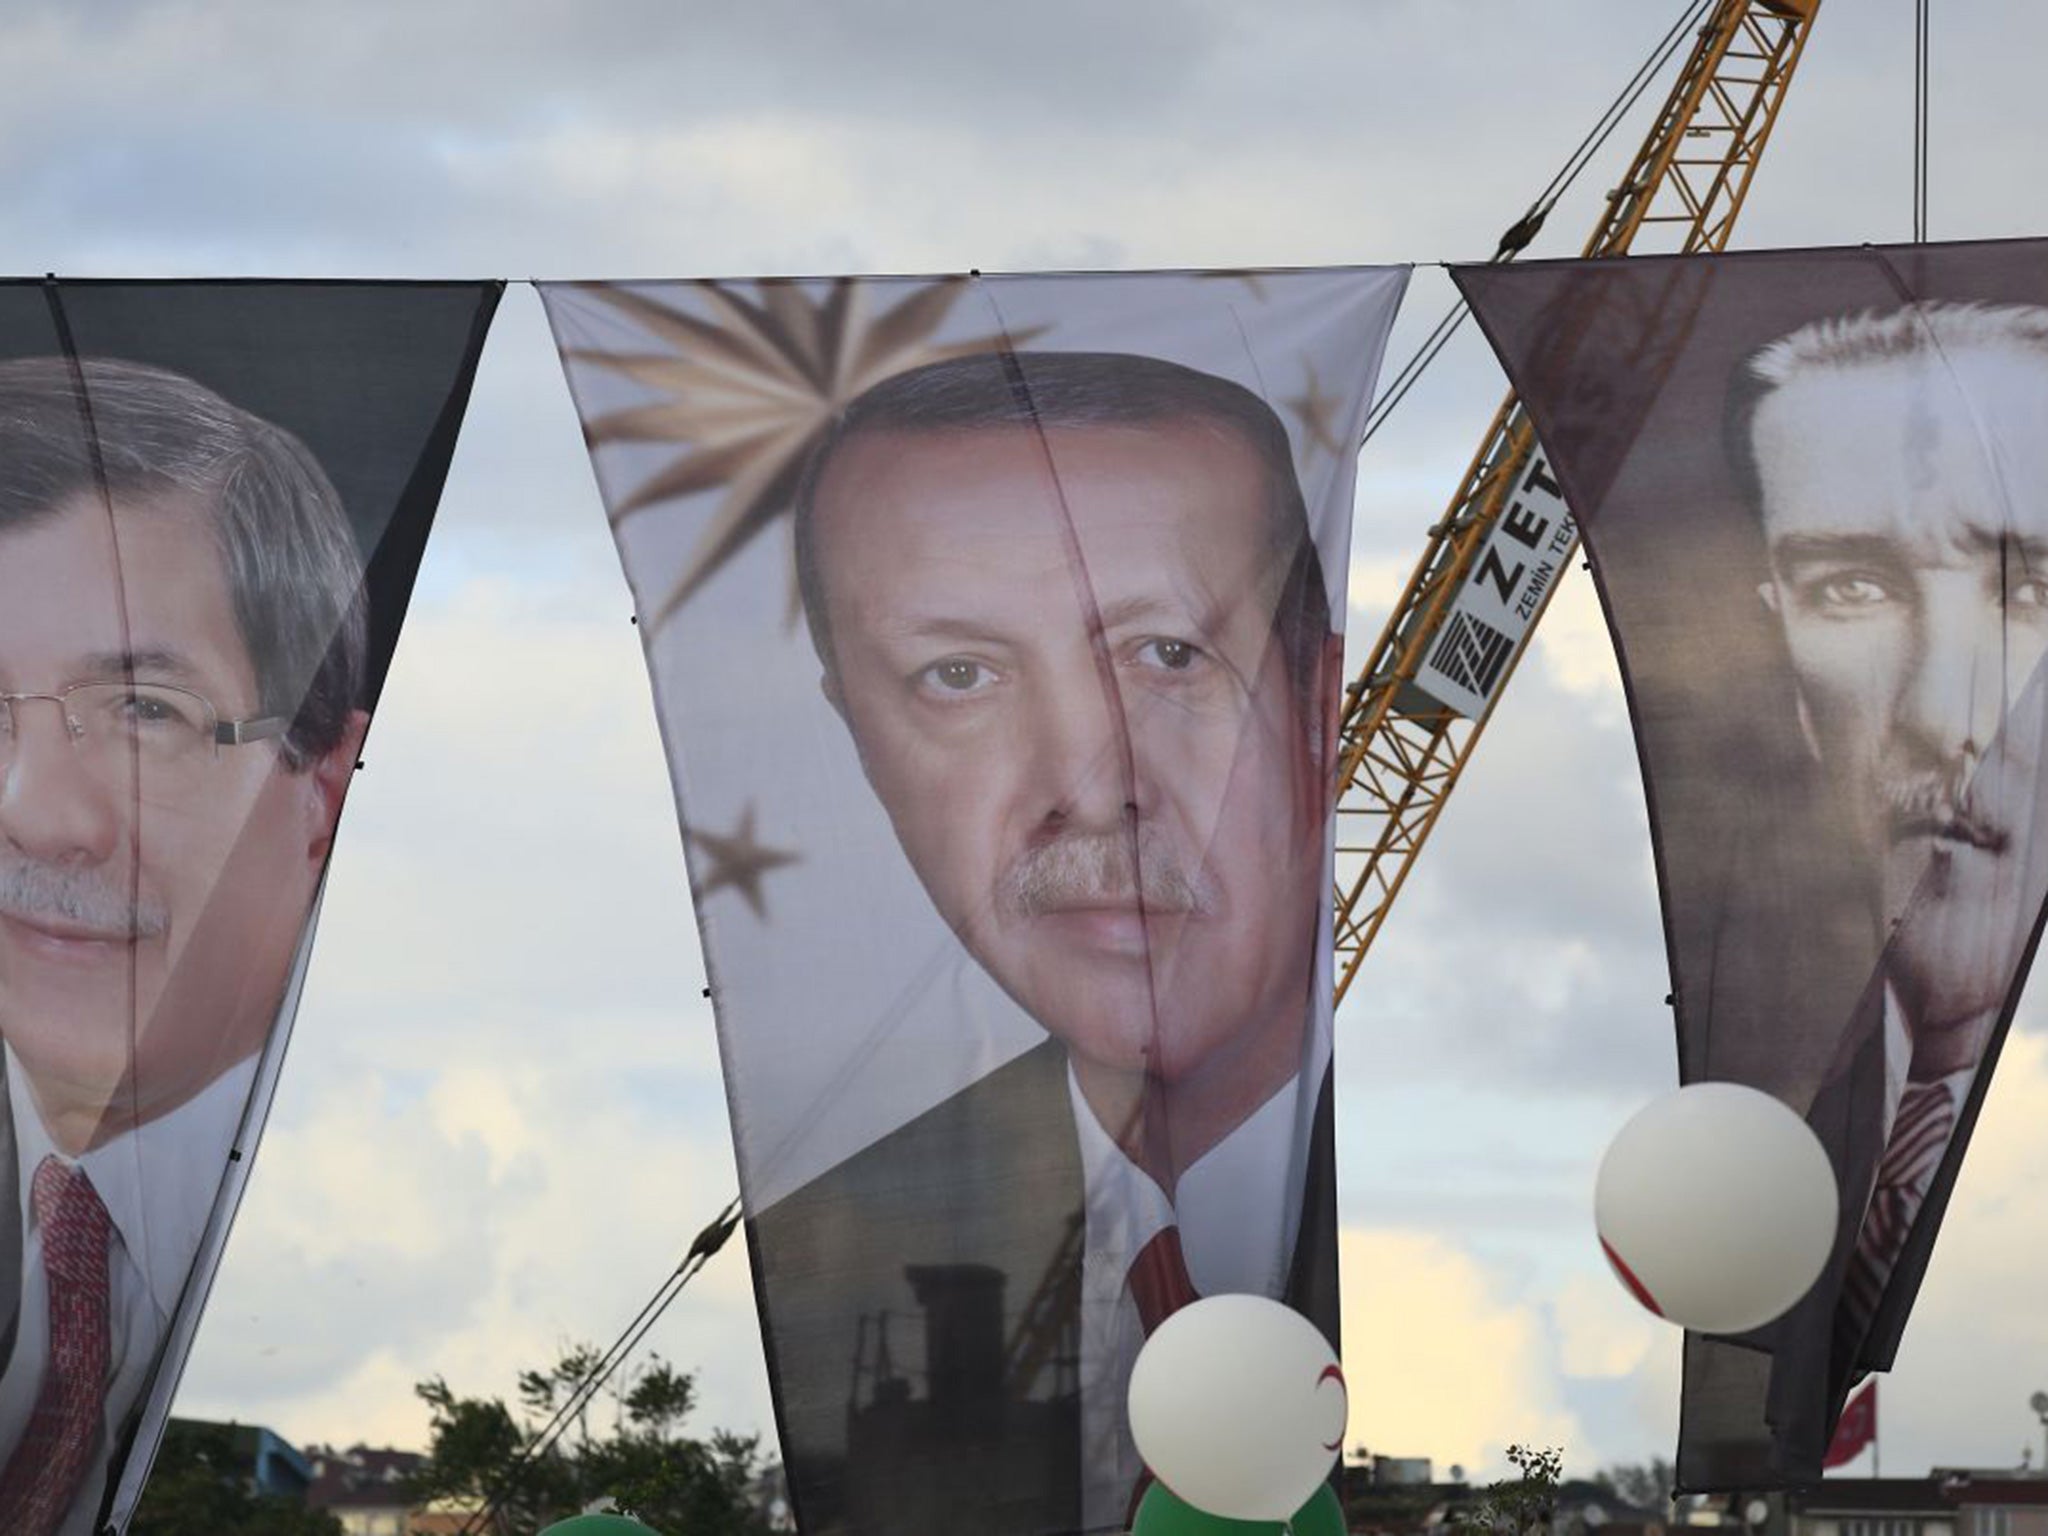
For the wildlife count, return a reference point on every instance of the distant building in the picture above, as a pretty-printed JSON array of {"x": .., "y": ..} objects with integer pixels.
[
  {"x": 1586, "y": 1508},
  {"x": 1392, "y": 1508},
  {"x": 769, "y": 1496},
  {"x": 1948, "y": 1501},
  {"x": 1400, "y": 1470},
  {"x": 1383, "y": 1496},
  {"x": 266, "y": 1462},
  {"x": 368, "y": 1490}
]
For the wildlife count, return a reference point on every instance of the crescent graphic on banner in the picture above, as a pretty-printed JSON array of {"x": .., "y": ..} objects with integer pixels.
[{"x": 1337, "y": 1372}]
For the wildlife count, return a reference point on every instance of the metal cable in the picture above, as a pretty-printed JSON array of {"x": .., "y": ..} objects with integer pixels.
[
  {"x": 1689, "y": 20},
  {"x": 702, "y": 1247},
  {"x": 1523, "y": 230},
  {"x": 1920, "y": 113}
]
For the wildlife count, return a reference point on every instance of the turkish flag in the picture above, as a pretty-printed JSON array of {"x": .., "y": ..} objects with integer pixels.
[{"x": 1855, "y": 1429}]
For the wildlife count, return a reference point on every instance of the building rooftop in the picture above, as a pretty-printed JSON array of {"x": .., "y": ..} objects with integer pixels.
[{"x": 360, "y": 1477}]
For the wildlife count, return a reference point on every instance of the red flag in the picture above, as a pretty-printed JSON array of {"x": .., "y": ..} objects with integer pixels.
[{"x": 1855, "y": 1429}]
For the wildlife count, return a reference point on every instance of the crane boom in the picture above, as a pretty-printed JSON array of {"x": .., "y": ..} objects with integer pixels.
[{"x": 1404, "y": 746}]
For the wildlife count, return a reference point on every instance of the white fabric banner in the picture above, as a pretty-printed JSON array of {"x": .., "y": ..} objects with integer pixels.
[{"x": 994, "y": 627}]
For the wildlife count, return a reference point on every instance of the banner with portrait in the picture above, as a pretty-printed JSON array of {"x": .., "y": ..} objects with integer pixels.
[
  {"x": 213, "y": 499},
  {"x": 994, "y": 626},
  {"x": 1810, "y": 484}
]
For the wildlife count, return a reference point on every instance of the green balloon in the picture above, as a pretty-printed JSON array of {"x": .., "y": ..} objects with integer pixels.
[
  {"x": 1162, "y": 1513},
  {"x": 1322, "y": 1515},
  {"x": 599, "y": 1525}
]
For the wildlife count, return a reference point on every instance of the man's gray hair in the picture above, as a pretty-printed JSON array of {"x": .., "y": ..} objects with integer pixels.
[
  {"x": 1046, "y": 390},
  {"x": 1873, "y": 336},
  {"x": 134, "y": 433}
]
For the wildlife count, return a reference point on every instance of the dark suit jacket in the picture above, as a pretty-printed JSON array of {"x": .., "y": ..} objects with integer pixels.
[
  {"x": 1759, "y": 1410},
  {"x": 1779, "y": 986},
  {"x": 962, "y": 1232},
  {"x": 10, "y": 1227}
]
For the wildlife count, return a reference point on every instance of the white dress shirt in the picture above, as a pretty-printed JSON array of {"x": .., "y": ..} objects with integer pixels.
[
  {"x": 158, "y": 1183},
  {"x": 1236, "y": 1237},
  {"x": 1898, "y": 1066}
]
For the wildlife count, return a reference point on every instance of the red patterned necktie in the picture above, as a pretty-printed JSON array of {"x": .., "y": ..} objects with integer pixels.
[
  {"x": 1920, "y": 1134},
  {"x": 1159, "y": 1284},
  {"x": 44, "y": 1473}
]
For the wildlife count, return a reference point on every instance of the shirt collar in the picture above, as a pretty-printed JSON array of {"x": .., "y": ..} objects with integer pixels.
[
  {"x": 1898, "y": 1063},
  {"x": 145, "y": 1176},
  {"x": 1233, "y": 1223}
]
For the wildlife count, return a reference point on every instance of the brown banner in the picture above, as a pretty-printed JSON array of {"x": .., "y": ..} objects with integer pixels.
[{"x": 1810, "y": 484}]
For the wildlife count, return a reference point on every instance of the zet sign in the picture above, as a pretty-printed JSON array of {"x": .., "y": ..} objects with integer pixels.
[{"x": 1489, "y": 619}]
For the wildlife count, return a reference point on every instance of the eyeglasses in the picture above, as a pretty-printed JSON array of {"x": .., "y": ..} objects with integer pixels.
[{"x": 158, "y": 723}]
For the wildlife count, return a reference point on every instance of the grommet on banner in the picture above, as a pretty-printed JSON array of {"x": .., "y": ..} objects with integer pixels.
[{"x": 707, "y": 991}]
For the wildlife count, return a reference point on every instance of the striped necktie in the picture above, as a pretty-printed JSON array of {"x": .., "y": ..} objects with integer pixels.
[
  {"x": 1920, "y": 1135},
  {"x": 49, "y": 1463}
]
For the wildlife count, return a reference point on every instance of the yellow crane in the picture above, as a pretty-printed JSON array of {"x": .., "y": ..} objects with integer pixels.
[
  {"x": 1420, "y": 703},
  {"x": 1404, "y": 745}
]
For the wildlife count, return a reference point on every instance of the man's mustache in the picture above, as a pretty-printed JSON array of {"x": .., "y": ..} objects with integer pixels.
[
  {"x": 1939, "y": 805},
  {"x": 78, "y": 895},
  {"x": 1105, "y": 869}
]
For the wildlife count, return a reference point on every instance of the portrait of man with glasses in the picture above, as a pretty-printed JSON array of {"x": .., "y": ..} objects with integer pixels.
[{"x": 182, "y": 652}]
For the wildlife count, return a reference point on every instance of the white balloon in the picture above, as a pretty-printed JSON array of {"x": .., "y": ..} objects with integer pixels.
[
  {"x": 1716, "y": 1205},
  {"x": 1238, "y": 1406}
]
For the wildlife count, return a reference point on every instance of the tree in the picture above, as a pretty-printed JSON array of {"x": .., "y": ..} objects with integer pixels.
[
  {"x": 200, "y": 1487},
  {"x": 1515, "y": 1506},
  {"x": 648, "y": 1468}
]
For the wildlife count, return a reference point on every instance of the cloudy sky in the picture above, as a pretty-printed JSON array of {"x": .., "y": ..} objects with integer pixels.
[{"x": 502, "y": 1119}]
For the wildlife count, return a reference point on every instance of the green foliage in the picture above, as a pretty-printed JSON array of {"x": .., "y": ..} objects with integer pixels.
[
  {"x": 645, "y": 1464},
  {"x": 198, "y": 1487},
  {"x": 1515, "y": 1506}
]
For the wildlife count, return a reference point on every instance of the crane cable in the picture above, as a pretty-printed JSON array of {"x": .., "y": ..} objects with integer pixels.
[
  {"x": 1920, "y": 95},
  {"x": 702, "y": 1247},
  {"x": 1525, "y": 229}
]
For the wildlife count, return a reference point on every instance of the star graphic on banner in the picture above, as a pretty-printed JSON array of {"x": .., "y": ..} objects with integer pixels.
[
  {"x": 1314, "y": 409},
  {"x": 751, "y": 390},
  {"x": 737, "y": 861}
]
